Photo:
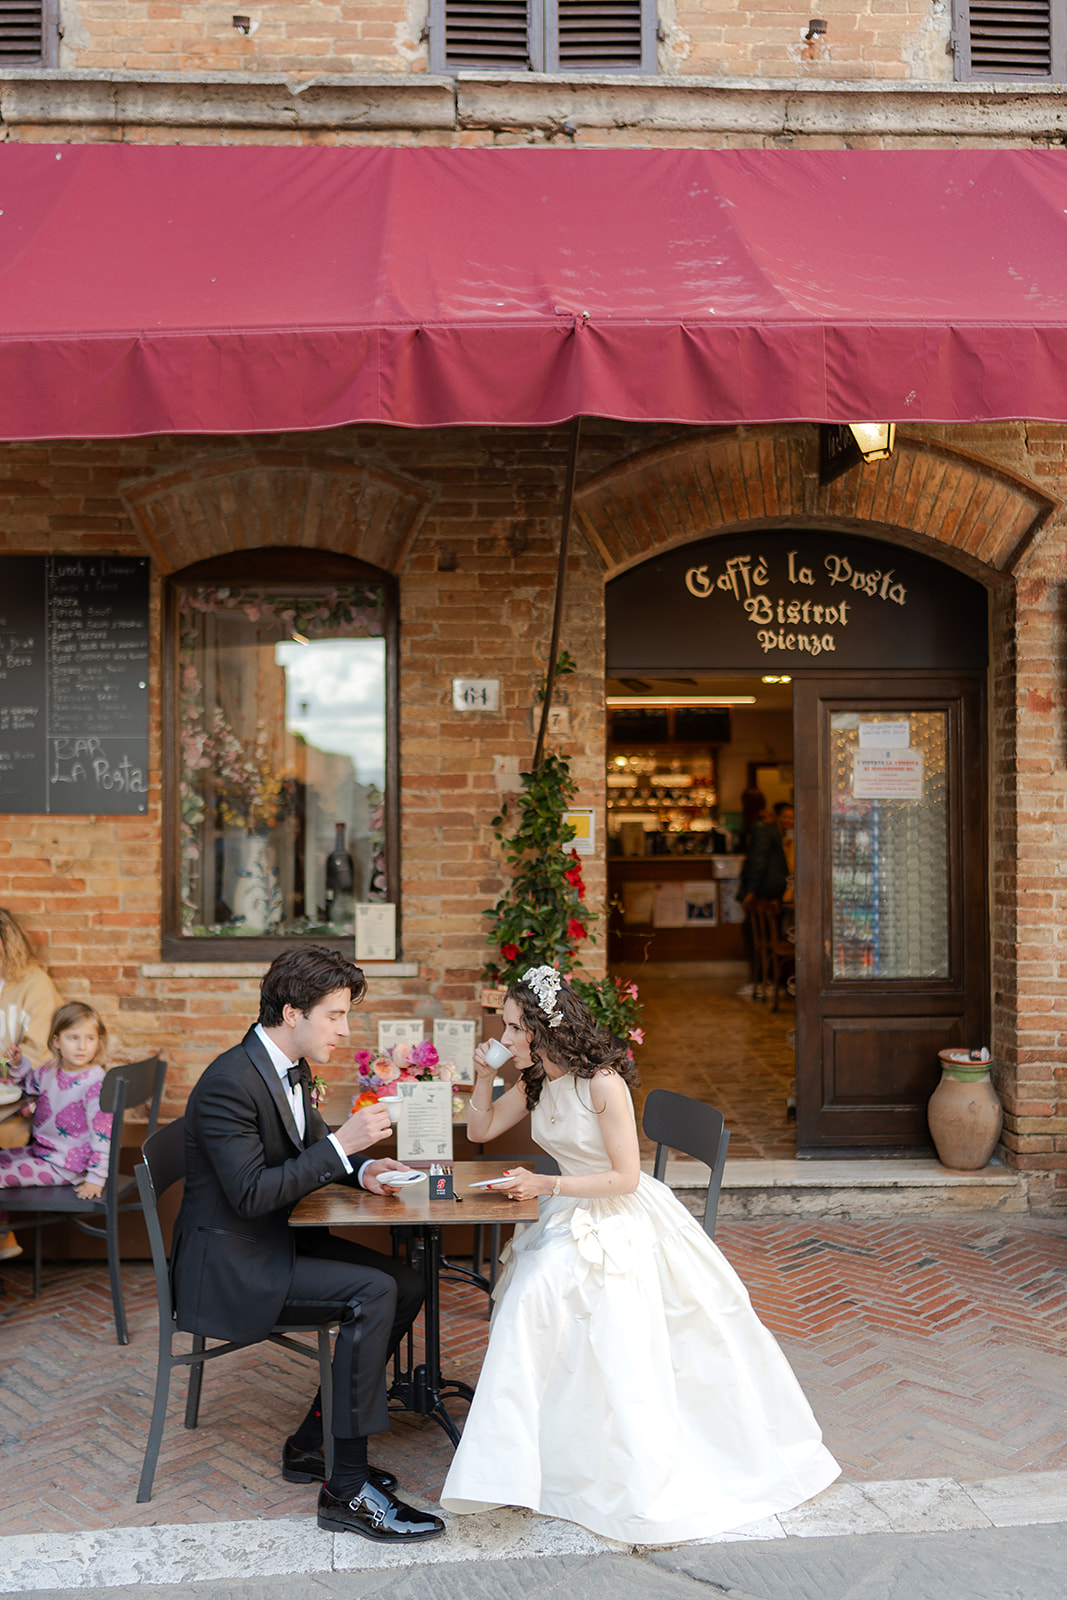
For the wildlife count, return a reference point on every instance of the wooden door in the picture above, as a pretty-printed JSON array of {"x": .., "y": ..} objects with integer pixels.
[{"x": 892, "y": 923}]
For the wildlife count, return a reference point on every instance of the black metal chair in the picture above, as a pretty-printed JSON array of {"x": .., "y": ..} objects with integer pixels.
[
  {"x": 676, "y": 1122},
  {"x": 123, "y": 1088},
  {"x": 162, "y": 1167}
]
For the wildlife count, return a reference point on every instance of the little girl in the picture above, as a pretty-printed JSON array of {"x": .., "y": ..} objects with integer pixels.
[{"x": 71, "y": 1135}]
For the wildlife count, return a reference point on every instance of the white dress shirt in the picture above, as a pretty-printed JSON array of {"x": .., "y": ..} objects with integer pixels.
[{"x": 281, "y": 1064}]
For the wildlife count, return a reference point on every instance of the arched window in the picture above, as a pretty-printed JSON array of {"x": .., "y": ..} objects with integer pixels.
[{"x": 280, "y": 756}]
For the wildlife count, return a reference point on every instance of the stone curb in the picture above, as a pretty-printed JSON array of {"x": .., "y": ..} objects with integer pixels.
[{"x": 226, "y": 1551}]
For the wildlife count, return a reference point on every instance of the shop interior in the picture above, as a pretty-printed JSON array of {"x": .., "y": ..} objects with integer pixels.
[{"x": 687, "y": 760}]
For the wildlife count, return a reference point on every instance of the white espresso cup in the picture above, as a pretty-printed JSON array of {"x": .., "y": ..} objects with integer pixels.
[
  {"x": 496, "y": 1053},
  {"x": 393, "y": 1104}
]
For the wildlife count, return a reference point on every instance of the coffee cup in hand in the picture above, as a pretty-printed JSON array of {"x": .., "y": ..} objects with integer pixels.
[
  {"x": 497, "y": 1053},
  {"x": 393, "y": 1104}
]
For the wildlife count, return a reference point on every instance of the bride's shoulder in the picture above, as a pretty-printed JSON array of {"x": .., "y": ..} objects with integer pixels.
[{"x": 608, "y": 1089}]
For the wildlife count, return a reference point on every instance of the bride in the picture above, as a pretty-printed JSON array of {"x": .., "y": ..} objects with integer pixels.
[{"x": 628, "y": 1385}]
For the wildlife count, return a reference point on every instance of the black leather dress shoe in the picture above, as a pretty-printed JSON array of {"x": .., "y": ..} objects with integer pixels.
[
  {"x": 376, "y": 1514},
  {"x": 309, "y": 1466}
]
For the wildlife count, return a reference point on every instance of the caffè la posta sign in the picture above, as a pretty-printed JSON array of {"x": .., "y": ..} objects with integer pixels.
[
  {"x": 782, "y": 620},
  {"x": 792, "y": 598}
]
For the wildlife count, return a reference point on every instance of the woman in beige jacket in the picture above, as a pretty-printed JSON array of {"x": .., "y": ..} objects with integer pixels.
[{"x": 28, "y": 1001}]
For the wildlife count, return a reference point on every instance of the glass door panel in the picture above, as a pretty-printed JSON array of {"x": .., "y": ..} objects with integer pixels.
[{"x": 889, "y": 846}]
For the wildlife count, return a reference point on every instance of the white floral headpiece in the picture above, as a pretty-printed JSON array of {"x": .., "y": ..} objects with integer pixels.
[{"x": 546, "y": 984}]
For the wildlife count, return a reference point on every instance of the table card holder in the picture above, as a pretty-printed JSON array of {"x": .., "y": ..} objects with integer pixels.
[
  {"x": 400, "y": 1030},
  {"x": 424, "y": 1132},
  {"x": 454, "y": 1041},
  {"x": 375, "y": 931}
]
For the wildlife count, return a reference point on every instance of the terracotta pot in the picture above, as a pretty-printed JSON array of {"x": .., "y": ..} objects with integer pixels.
[{"x": 965, "y": 1116}]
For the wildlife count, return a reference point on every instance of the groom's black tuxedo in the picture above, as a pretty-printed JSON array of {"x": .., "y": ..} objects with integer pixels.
[{"x": 237, "y": 1266}]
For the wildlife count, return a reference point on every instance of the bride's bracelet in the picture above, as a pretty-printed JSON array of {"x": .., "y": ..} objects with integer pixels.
[{"x": 483, "y": 1111}]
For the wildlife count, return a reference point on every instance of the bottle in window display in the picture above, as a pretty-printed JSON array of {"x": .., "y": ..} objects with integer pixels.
[{"x": 340, "y": 880}]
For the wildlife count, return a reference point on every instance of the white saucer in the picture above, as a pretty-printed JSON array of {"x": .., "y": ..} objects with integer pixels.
[
  {"x": 400, "y": 1180},
  {"x": 489, "y": 1183}
]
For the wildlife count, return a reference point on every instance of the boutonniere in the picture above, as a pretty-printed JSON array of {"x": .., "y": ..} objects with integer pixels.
[{"x": 317, "y": 1091}]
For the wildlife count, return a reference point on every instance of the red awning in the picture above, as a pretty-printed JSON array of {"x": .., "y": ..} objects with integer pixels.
[{"x": 220, "y": 290}]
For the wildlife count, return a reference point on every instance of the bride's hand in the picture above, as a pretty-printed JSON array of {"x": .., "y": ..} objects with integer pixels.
[{"x": 523, "y": 1185}]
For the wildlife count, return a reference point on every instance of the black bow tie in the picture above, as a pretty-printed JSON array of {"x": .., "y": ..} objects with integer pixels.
[{"x": 301, "y": 1073}]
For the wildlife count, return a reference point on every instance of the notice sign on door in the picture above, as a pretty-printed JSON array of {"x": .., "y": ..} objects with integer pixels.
[{"x": 887, "y": 775}]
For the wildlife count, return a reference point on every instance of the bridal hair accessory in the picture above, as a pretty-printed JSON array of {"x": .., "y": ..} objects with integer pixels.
[{"x": 546, "y": 984}]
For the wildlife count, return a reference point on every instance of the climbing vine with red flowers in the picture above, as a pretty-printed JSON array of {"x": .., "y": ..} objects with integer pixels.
[{"x": 542, "y": 917}]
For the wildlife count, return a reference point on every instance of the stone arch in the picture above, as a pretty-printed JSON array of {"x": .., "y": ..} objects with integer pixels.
[
  {"x": 978, "y": 516},
  {"x": 288, "y": 499}
]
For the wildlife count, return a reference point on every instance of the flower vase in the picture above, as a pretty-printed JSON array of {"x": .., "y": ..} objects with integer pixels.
[
  {"x": 964, "y": 1113},
  {"x": 257, "y": 899}
]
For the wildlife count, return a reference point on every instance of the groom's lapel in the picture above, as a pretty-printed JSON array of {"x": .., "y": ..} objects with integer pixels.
[{"x": 257, "y": 1054}]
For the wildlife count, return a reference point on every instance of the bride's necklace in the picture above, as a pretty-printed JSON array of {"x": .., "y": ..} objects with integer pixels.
[{"x": 550, "y": 1082}]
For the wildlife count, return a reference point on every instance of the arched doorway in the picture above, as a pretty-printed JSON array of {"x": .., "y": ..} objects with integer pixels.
[{"x": 888, "y": 651}]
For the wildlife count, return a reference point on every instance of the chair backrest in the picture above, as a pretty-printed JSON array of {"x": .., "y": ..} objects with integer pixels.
[
  {"x": 141, "y": 1081},
  {"x": 677, "y": 1122},
  {"x": 162, "y": 1167}
]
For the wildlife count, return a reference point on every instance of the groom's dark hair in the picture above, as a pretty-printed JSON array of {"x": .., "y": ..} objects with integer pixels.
[{"x": 303, "y": 976}]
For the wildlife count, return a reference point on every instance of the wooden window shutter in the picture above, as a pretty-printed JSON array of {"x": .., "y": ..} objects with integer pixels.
[
  {"x": 600, "y": 36},
  {"x": 1020, "y": 39},
  {"x": 28, "y": 33},
  {"x": 542, "y": 35},
  {"x": 491, "y": 35}
]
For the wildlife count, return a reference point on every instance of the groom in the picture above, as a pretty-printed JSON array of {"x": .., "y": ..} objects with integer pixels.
[{"x": 255, "y": 1145}]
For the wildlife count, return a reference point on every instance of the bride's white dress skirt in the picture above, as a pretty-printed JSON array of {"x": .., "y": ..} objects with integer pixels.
[{"x": 628, "y": 1385}]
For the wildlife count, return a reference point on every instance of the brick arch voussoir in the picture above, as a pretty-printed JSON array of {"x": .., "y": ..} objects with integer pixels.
[
  {"x": 928, "y": 496},
  {"x": 296, "y": 500}
]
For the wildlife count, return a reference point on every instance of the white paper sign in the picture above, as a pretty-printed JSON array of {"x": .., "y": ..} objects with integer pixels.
[
  {"x": 454, "y": 1041},
  {"x": 885, "y": 735},
  {"x": 424, "y": 1132},
  {"x": 668, "y": 907},
  {"x": 375, "y": 931},
  {"x": 583, "y": 821},
  {"x": 887, "y": 775},
  {"x": 400, "y": 1030}
]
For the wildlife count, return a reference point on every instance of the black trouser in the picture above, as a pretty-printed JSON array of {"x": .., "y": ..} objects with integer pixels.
[{"x": 376, "y": 1300}]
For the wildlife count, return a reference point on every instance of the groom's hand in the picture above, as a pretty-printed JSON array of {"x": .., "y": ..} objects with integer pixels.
[{"x": 363, "y": 1128}]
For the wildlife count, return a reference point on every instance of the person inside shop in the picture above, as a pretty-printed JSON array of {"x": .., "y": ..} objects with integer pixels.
[
  {"x": 255, "y": 1145},
  {"x": 768, "y": 870},
  {"x": 628, "y": 1385},
  {"x": 28, "y": 1001}
]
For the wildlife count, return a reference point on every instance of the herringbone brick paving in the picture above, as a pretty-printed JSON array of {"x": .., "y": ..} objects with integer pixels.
[{"x": 928, "y": 1348}]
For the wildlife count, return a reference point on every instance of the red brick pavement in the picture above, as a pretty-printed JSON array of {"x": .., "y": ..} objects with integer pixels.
[{"x": 927, "y": 1348}]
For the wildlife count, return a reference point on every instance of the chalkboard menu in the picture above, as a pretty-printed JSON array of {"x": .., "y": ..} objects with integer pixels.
[{"x": 73, "y": 685}]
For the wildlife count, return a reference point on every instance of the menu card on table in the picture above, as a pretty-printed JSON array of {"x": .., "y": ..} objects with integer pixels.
[{"x": 424, "y": 1132}]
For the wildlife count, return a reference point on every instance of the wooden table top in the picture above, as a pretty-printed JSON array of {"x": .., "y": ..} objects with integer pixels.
[{"x": 341, "y": 1206}]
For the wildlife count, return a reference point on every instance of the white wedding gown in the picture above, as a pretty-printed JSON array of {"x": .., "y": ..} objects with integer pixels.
[{"x": 628, "y": 1385}]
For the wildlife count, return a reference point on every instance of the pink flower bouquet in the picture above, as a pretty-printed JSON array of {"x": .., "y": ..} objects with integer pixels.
[{"x": 381, "y": 1071}]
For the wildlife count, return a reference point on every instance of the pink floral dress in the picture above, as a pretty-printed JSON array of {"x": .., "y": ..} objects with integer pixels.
[{"x": 71, "y": 1135}]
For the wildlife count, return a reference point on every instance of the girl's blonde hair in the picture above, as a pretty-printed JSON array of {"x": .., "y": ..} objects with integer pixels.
[
  {"x": 19, "y": 955},
  {"x": 68, "y": 1016}
]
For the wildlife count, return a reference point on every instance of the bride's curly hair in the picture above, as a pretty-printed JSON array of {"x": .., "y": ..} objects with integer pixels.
[{"x": 576, "y": 1044}]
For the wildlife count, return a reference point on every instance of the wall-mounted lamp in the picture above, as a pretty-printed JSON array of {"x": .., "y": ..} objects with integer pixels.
[
  {"x": 816, "y": 26},
  {"x": 875, "y": 440},
  {"x": 845, "y": 444},
  {"x": 614, "y": 700}
]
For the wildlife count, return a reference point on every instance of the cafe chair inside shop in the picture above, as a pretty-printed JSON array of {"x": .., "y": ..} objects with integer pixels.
[
  {"x": 164, "y": 1166},
  {"x": 140, "y": 1083},
  {"x": 775, "y": 955},
  {"x": 676, "y": 1122}
]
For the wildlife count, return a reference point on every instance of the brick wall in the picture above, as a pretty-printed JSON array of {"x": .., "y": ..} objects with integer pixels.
[
  {"x": 476, "y": 587},
  {"x": 304, "y": 38},
  {"x": 874, "y": 39}
]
